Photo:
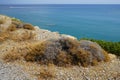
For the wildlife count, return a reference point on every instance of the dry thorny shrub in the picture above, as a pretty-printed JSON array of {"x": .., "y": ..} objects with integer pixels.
[
  {"x": 21, "y": 35},
  {"x": 18, "y": 35},
  {"x": 11, "y": 56},
  {"x": 4, "y": 36},
  {"x": 47, "y": 72},
  {"x": 2, "y": 21},
  {"x": 15, "y": 34},
  {"x": 28, "y": 26},
  {"x": 64, "y": 52},
  {"x": 12, "y": 27},
  {"x": 35, "y": 51}
]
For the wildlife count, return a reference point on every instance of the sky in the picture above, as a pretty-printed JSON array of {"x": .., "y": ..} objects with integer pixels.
[{"x": 59, "y": 1}]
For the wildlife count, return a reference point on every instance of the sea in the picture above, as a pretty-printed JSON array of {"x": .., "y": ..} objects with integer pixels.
[{"x": 97, "y": 21}]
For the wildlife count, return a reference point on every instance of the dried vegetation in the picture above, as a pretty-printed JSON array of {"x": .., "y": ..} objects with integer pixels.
[{"x": 62, "y": 52}]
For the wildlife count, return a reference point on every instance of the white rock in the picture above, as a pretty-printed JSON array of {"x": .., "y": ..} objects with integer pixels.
[{"x": 68, "y": 36}]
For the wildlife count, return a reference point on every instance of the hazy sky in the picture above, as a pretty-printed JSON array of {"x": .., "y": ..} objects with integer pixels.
[{"x": 59, "y": 1}]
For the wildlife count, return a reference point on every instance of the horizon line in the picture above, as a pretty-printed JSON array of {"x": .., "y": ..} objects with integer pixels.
[{"x": 66, "y": 4}]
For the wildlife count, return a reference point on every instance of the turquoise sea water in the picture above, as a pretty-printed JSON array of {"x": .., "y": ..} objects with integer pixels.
[{"x": 92, "y": 21}]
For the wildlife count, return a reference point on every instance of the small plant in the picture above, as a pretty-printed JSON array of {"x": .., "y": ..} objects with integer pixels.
[
  {"x": 12, "y": 56},
  {"x": 2, "y": 21},
  {"x": 35, "y": 52},
  {"x": 107, "y": 58},
  {"x": 4, "y": 36},
  {"x": 28, "y": 26},
  {"x": 12, "y": 27},
  {"x": 16, "y": 20},
  {"x": 47, "y": 72},
  {"x": 21, "y": 35},
  {"x": 94, "y": 62},
  {"x": 63, "y": 59}
]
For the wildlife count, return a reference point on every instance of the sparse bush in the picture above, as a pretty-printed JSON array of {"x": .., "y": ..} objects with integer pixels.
[
  {"x": 47, "y": 72},
  {"x": 28, "y": 26},
  {"x": 3, "y": 36},
  {"x": 83, "y": 57},
  {"x": 63, "y": 52},
  {"x": 17, "y": 24},
  {"x": 2, "y": 21},
  {"x": 63, "y": 59},
  {"x": 16, "y": 20},
  {"x": 36, "y": 52},
  {"x": 12, "y": 27},
  {"x": 94, "y": 62},
  {"x": 111, "y": 47},
  {"x": 21, "y": 35},
  {"x": 83, "y": 52},
  {"x": 12, "y": 56},
  {"x": 107, "y": 57}
]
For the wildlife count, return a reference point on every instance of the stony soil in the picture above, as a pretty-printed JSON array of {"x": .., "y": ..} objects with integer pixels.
[{"x": 21, "y": 70}]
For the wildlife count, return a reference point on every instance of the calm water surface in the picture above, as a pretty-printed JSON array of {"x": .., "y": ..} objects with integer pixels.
[{"x": 92, "y": 21}]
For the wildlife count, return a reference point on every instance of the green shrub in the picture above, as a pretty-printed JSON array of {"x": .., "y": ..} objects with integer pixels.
[
  {"x": 111, "y": 47},
  {"x": 16, "y": 20}
]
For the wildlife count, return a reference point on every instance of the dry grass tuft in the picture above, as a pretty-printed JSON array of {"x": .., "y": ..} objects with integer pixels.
[
  {"x": 47, "y": 72},
  {"x": 16, "y": 35},
  {"x": 12, "y": 27},
  {"x": 63, "y": 59},
  {"x": 21, "y": 35},
  {"x": 4, "y": 36},
  {"x": 35, "y": 52},
  {"x": 94, "y": 62},
  {"x": 106, "y": 55},
  {"x": 2, "y": 21},
  {"x": 12, "y": 56},
  {"x": 28, "y": 26},
  {"x": 82, "y": 57}
]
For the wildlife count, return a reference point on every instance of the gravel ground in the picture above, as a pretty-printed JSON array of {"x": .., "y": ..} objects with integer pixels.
[
  {"x": 104, "y": 71},
  {"x": 13, "y": 72},
  {"x": 30, "y": 71}
]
